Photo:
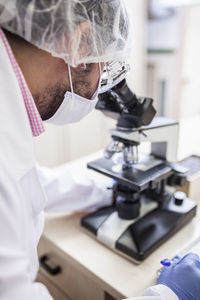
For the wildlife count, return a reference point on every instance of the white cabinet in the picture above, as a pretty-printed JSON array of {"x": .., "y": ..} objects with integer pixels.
[
  {"x": 68, "y": 281},
  {"x": 56, "y": 293}
]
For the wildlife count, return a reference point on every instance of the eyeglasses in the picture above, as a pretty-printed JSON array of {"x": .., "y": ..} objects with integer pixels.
[{"x": 113, "y": 73}]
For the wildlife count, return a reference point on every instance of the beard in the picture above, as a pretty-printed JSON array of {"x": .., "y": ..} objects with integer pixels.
[
  {"x": 50, "y": 100},
  {"x": 52, "y": 97}
]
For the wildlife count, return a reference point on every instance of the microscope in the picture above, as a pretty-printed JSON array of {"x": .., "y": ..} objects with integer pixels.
[{"x": 146, "y": 208}]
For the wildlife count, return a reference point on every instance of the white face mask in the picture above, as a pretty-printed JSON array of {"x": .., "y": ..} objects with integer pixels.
[{"x": 74, "y": 107}]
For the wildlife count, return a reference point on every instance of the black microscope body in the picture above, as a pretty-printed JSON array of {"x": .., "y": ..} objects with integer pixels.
[{"x": 144, "y": 212}]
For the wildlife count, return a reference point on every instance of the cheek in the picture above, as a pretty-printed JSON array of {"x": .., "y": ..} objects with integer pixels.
[
  {"x": 102, "y": 67},
  {"x": 95, "y": 78},
  {"x": 60, "y": 72},
  {"x": 85, "y": 84}
]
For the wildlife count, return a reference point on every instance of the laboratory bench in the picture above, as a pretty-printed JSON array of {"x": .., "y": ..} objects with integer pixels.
[{"x": 75, "y": 266}]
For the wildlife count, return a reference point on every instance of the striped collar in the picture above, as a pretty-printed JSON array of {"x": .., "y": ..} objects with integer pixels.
[{"x": 35, "y": 120}]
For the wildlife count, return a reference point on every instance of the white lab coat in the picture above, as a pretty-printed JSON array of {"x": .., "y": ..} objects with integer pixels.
[{"x": 25, "y": 192}]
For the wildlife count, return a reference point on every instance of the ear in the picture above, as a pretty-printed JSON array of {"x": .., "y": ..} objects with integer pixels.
[{"x": 81, "y": 43}]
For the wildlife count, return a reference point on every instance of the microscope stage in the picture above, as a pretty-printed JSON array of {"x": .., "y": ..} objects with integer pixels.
[{"x": 134, "y": 177}]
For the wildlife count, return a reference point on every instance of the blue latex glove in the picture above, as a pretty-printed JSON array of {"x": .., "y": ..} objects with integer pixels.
[{"x": 183, "y": 277}]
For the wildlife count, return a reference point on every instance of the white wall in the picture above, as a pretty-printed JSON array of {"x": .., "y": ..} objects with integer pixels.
[
  {"x": 190, "y": 93},
  {"x": 59, "y": 145},
  {"x": 138, "y": 59}
]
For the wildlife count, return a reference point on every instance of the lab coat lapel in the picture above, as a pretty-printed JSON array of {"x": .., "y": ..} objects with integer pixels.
[
  {"x": 16, "y": 136},
  {"x": 15, "y": 131}
]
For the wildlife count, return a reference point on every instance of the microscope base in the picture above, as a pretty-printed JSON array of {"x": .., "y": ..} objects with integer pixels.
[{"x": 136, "y": 239}]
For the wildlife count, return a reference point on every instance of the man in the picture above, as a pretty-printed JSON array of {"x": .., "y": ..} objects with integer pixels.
[{"x": 51, "y": 58}]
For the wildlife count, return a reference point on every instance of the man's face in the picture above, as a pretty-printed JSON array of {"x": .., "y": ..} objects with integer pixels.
[
  {"x": 48, "y": 76},
  {"x": 54, "y": 82}
]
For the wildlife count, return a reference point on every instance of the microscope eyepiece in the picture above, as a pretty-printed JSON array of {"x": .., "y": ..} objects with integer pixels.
[{"x": 122, "y": 104}]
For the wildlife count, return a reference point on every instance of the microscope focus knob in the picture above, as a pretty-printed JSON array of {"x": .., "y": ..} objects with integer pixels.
[
  {"x": 179, "y": 197},
  {"x": 127, "y": 210}
]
